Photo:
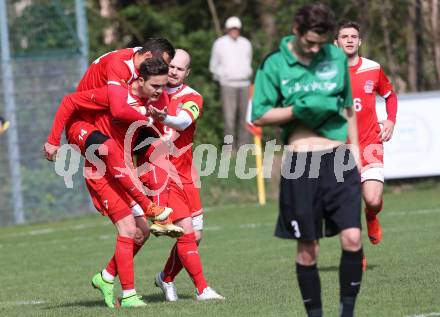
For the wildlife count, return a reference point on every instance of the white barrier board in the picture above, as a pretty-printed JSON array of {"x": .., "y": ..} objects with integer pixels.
[{"x": 414, "y": 150}]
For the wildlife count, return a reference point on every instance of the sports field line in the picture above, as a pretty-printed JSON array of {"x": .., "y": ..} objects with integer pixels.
[
  {"x": 46, "y": 231},
  {"x": 22, "y": 302},
  {"x": 425, "y": 315}
]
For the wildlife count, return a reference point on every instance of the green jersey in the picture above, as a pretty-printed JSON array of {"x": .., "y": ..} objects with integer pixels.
[{"x": 319, "y": 92}]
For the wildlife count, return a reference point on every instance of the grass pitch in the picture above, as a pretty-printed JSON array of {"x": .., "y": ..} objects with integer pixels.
[{"x": 45, "y": 269}]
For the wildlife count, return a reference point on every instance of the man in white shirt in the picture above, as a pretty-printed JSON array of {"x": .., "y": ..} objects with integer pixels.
[{"x": 230, "y": 64}]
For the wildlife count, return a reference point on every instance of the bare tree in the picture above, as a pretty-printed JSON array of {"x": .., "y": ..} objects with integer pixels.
[
  {"x": 384, "y": 19},
  {"x": 267, "y": 18},
  {"x": 414, "y": 46},
  {"x": 435, "y": 31}
]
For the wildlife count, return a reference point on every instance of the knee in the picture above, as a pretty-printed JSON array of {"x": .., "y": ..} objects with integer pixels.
[
  {"x": 129, "y": 230},
  {"x": 373, "y": 202},
  {"x": 351, "y": 239},
  {"x": 307, "y": 253}
]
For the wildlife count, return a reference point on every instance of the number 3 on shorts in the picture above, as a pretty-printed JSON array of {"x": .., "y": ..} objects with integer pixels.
[{"x": 295, "y": 227}]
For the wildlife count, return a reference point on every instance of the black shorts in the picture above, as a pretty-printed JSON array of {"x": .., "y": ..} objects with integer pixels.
[{"x": 323, "y": 200}]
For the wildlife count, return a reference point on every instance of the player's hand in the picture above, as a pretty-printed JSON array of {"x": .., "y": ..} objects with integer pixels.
[
  {"x": 158, "y": 114},
  {"x": 140, "y": 109},
  {"x": 387, "y": 130},
  {"x": 355, "y": 151},
  {"x": 50, "y": 151}
]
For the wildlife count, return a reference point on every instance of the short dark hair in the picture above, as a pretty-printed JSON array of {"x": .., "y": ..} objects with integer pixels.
[
  {"x": 157, "y": 46},
  {"x": 154, "y": 66},
  {"x": 347, "y": 24},
  {"x": 315, "y": 17}
]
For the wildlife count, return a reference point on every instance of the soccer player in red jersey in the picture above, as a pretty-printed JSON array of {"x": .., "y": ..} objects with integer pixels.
[
  {"x": 107, "y": 195},
  {"x": 368, "y": 79},
  {"x": 183, "y": 196},
  {"x": 117, "y": 68}
]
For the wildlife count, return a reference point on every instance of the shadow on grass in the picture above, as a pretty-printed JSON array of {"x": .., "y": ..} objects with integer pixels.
[
  {"x": 80, "y": 303},
  {"x": 158, "y": 298},
  {"x": 370, "y": 267}
]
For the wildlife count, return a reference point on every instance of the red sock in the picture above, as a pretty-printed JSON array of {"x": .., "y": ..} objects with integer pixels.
[
  {"x": 114, "y": 161},
  {"x": 111, "y": 266},
  {"x": 189, "y": 256},
  {"x": 173, "y": 266},
  {"x": 372, "y": 214},
  {"x": 124, "y": 262}
]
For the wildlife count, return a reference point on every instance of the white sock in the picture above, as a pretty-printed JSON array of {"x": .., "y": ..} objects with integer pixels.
[
  {"x": 128, "y": 292},
  {"x": 107, "y": 276}
]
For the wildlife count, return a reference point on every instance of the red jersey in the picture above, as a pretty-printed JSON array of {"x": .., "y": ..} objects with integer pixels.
[
  {"x": 183, "y": 99},
  {"x": 96, "y": 104},
  {"x": 368, "y": 79},
  {"x": 189, "y": 100},
  {"x": 115, "y": 67}
]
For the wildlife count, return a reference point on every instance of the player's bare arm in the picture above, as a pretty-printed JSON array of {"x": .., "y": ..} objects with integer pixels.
[
  {"x": 275, "y": 116},
  {"x": 353, "y": 135},
  {"x": 387, "y": 130},
  {"x": 50, "y": 151}
]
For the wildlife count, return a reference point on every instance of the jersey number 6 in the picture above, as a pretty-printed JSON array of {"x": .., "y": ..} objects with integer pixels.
[{"x": 357, "y": 104}]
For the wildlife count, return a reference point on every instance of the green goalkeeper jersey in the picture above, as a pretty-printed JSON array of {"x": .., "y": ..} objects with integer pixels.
[{"x": 319, "y": 92}]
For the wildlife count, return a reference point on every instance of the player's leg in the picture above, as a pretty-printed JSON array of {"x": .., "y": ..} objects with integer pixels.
[
  {"x": 84, "y": 135},
  {"x": 107, "y": 199},
  {"x": 372, "y": 191},
  {"x": 344, "y": 217},
  {"x": 156, "y": 180},
  {"x": 308, "y": 277},
  {"x": 350, "y": 270},
  {"x": 141, "y": 236},
  {"x": 185, "y": 252}
]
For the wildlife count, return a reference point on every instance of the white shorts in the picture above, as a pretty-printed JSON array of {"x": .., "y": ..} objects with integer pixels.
[
  {"x": 197, "y": 222},
  {"x": 373, "y": 173}
]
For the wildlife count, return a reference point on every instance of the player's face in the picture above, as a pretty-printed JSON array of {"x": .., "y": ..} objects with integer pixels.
[
  {"x": 349, "y": 41},
  {"x": 178, "y": 70},
  {"x": 309, "y": 43},
  {"x": 153, "y": 87}
]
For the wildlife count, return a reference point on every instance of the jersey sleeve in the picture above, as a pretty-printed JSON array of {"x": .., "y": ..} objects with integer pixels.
[
  {"x": 117, "y": 72},
  {"x": 384, "y": 87},
  {"x": 267, "y": 94},
  {"x": 71, "y": 103},
  {"x": 346, "y": 93},
  {"x": 193, "y": 106},
  {"x": 119, "y": 109}
]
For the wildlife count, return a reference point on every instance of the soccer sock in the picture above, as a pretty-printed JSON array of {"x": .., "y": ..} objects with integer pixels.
[
  {"x": 124, "y": 262},
  {"x": 350, "y": 278},
  {"x": 310, "y": 286},
  {"x": 114, "y": 161},
  {"x": 371, "y": 214},
  {"x": 173, "y": 266},
  {"x": 189, "y": 256},
  {"x": 110, "y": 272},
  {"x": 107, "y": 276}
]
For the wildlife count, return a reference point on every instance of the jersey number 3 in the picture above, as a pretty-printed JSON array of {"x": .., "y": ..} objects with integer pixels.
[{"x": 295, "y": 227}]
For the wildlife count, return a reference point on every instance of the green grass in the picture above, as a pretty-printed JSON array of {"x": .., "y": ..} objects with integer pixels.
[{"x": 46, "y": 268}]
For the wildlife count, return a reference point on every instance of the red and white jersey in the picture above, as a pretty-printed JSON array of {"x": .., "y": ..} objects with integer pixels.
[
  {"x": 189, "y": 100},
  {"x": 186, "y": 99},
  {"x": 116, "y": 129},
  {"x": 115, "y": 67},
  {"x": 94, "y": 103},
  {"x": 368, "y": 79}
]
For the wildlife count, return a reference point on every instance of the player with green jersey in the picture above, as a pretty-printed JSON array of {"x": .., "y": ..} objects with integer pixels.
[{"x": 304, "y": 87}]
